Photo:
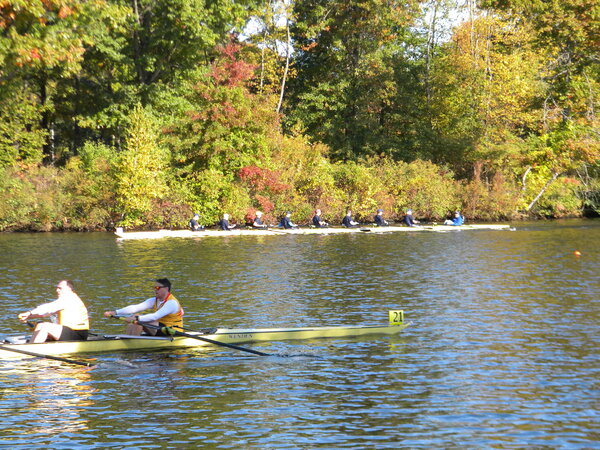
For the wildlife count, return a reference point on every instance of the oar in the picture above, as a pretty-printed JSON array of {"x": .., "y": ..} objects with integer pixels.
[
  {"x": 276, "y": 231},
  {"x": 39, "y": 355},
  {"x": 174, "y": 332}
]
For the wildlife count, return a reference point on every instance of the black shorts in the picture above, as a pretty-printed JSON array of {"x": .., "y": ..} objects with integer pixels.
[
  {"x": 160, "y": 332},
  {"x": 69, "y": 334}
]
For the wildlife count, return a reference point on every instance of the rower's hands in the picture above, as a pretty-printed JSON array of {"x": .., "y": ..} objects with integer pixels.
[
  {"x": 24, "y": 316},
  {"x": 130, "y": 319}
]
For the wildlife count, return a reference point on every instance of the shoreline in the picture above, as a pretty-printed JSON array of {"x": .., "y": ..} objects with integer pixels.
[{"x": 302, "y": 226}]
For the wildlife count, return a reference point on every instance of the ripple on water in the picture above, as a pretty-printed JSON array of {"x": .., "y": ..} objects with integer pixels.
[{"x": 503, "y": 350}]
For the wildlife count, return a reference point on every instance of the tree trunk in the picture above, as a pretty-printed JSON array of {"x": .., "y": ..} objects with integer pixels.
[
  {"x": 137, "y": 57},
  {"x": 524, "y": 180},
  {"x": 45, "y": 123},
  {"x": 287, "y": 64},
  {"x": 431, "y": 43},
  {"x": 537, "y": 197}
]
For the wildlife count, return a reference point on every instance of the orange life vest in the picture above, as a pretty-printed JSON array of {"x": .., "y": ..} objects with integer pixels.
[{"x": 171, "y": 320}]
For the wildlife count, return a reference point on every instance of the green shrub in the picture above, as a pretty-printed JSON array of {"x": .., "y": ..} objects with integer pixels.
[
  {"x": 496, "y": 199},
  {"x": 17, "y": 201},
  {"x": 140, "y": 177},
  {"x": 33, "y": 199},
  {"x": 561, "y": 199},
  {"x": 88, "y": 180},
  {"x": 429, "y": 190},
  {"x": 362, "y": 190}
]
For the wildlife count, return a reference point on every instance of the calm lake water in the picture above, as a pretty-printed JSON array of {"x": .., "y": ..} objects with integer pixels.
[{"x": 502, "y": 351}]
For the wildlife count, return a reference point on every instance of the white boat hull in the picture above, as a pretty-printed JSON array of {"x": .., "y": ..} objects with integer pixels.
[{"x": 279, "y": 231}]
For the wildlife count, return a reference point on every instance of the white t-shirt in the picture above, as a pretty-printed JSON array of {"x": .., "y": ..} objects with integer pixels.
[{"x": 64, "y": 301}]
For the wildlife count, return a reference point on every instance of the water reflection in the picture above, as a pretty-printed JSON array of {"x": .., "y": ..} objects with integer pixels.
[{"x": 42, "y": 400}]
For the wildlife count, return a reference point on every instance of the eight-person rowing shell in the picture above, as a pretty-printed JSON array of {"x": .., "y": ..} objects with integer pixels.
[{"x": 317, "y": 221}]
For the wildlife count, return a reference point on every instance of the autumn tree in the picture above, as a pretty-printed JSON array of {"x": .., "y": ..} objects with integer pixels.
[
  {"x": 486, "y": 92},
  {"x": 221, "y": 128},
  {"x": 42, "y": 43},
  {"x": 140, "y": 170},
  {"x": 567, "y": 36}
]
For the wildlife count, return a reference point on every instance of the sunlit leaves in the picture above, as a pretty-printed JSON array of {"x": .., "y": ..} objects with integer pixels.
[
  {"x": 46, "y": 34},
  {"x": 139, "y": 173},
  {"x": 487, "y": 84},
  {"x": 21, "y": 137}
]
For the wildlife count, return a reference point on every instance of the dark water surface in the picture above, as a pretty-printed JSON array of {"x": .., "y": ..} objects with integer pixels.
[{"x": 502, "y": 353}]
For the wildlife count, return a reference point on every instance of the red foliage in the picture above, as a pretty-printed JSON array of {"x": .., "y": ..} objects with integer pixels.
[
  {"x": 229, "y": 71},
  {"x": 196, "y": 116},
  {"x": 261, "y": 180},
  {"x": 266, "y": 205}
]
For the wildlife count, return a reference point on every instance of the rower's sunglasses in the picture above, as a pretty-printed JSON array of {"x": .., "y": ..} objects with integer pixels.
[{"x": 156, "y": 288}]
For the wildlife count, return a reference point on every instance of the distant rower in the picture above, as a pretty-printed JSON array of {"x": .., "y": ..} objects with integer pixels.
[
  {"x": 347, "y": 221},
  {"x": 379, "y": 220},
  {"x": 258, "y": 222},
  {"x": 286, "y": 221},
  {"x": 408, "y": 219},
  {"x": 317, "y": 222},
  {"x": 224, "y": 223}
]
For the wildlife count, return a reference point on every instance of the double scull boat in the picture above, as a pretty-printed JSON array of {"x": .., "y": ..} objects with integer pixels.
[{"x": 119, "y": 343}]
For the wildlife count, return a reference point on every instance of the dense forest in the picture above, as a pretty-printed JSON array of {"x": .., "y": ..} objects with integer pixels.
[{"x": 139, "y": 113}]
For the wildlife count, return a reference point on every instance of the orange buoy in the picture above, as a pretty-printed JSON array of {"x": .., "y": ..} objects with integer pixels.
[{"x": 577, "y": 253}]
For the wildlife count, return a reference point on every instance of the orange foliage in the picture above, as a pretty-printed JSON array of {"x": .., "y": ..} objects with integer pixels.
[
  {"x": 310, "y": 46},
  {"x": 64, "y": 11}
]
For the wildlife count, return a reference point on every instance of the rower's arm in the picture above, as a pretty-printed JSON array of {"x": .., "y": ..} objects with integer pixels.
[
  {"x": 170, "y": 307},
  {"x": 132, "y": 309},
  {"x": 48, "y": 308}
]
